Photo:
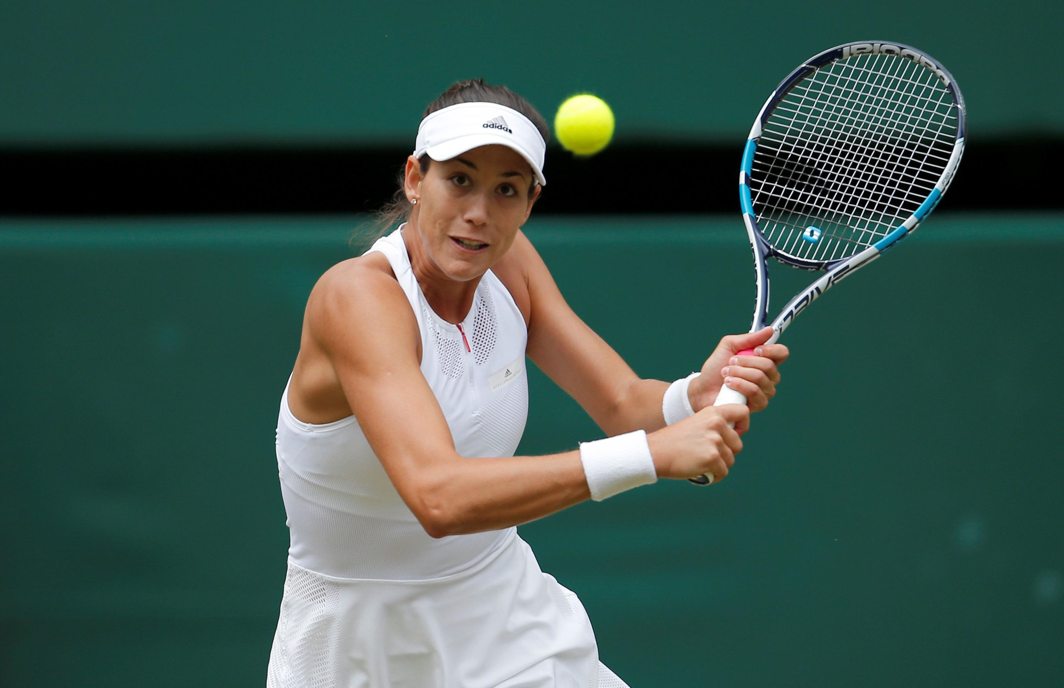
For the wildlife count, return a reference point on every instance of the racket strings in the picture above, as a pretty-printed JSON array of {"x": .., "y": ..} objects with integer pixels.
[
  {"x": 841, "y": 174},
  {"x": 850, "y": 152},
  {"x": 851, "y": 165},
  {"x": 918, "y": 117},
  {"x": 848, "y": 102}
]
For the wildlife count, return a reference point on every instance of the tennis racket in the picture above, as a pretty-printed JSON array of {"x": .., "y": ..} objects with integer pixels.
[{"x": 847, "y": 157}]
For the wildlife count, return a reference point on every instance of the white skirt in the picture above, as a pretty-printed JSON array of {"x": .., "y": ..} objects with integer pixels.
[{"x": 503, "y": 622}]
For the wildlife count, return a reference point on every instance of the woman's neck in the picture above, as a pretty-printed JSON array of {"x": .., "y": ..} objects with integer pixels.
[{"x": 448, "y": 298}]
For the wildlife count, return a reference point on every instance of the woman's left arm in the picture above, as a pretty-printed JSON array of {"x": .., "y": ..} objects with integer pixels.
[
  {"x": 587, "y": 368},
  {"x": 575, "y": 357}
]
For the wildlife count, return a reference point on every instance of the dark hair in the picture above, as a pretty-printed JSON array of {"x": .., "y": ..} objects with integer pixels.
[
  {"x": 397, "y": 210},
  {"x": 477, "y": 91}
]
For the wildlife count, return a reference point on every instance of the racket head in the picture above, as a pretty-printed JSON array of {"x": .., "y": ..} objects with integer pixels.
[{"x": 851, "y": 151}]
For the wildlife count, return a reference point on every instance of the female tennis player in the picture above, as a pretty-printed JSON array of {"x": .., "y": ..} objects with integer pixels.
[{"x": 406, "y": 403}]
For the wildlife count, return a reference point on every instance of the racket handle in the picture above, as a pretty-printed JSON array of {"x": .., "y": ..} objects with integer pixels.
[{"x": 727, "y": 395}]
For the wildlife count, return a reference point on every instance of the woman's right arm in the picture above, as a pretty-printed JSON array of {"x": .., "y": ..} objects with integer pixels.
[{"x": 360, "y": 328}]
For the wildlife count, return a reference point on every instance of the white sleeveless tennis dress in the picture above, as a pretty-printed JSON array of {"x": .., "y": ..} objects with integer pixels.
[{"x": 370, "y": 600}]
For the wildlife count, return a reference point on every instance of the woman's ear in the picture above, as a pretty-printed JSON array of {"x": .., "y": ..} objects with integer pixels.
[
  {"x": 412, "y": 178},
  {"x": 532, "y": 198}
]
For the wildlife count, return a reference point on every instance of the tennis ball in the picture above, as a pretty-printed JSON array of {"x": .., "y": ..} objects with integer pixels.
[{"x": 584, "y": 124}]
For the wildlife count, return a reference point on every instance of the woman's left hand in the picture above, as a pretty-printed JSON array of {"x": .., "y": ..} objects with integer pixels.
[{"x": 754, "y": 376}]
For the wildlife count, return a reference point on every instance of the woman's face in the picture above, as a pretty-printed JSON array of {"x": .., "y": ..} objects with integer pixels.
[{"x": 469, "y": 208}]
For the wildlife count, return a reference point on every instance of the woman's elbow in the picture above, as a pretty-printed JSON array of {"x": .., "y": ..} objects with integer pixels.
[
  {"x": 437, "y": 523},
  {"x": 438, "y": 514}
]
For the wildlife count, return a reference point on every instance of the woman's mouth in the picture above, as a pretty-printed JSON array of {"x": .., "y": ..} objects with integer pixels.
[{"x": 469, "y": 244}]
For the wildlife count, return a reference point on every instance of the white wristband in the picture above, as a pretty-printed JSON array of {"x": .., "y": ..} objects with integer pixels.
[
  {"x": 616, "y": 464},
  {"x": 676, "y": 405}
]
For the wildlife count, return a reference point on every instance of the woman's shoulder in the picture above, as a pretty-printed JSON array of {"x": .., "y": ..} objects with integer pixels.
[
  {"x": 359, "y": 285},
  {"x": 522, "y": 260},
  {"x": 359, "y": 272}
]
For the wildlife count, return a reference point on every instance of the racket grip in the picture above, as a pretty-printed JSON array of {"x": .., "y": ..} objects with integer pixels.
[{"x": 727, "y": 395}]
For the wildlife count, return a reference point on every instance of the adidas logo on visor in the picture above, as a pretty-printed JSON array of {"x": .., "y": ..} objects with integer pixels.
[{"x": 498, "y": 123}]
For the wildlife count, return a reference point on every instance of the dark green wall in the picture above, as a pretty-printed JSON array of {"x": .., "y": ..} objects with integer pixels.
[
  {"x": 359, "y": 73},
  {"x": 894, "y": 520}
]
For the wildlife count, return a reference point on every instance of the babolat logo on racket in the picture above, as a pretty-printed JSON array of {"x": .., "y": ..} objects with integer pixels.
[
  {"x": 497, "y": 123},
  {"x": 891, "y": 49},
  {"x": 837, "y": 275},
  {"x": 799, "y": 306}
]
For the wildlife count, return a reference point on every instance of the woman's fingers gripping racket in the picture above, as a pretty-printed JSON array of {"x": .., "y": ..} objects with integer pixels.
[
  {"x": 753, "y": 374},
  {"x": 728, "y": 395},
  {"x": 704, "y": 445}
]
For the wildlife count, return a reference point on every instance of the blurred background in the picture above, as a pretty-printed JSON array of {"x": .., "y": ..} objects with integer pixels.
[{"x": 178, "y": 175}]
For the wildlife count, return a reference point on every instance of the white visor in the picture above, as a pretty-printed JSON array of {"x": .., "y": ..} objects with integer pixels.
[{"x": 447, "y": 133}]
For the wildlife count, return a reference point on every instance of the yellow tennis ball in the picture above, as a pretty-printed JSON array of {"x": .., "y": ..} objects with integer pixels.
[{"x": 584, "y": 124}]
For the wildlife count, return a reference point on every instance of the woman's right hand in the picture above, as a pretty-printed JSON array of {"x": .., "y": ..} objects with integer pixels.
[{"x": 705, "y": 443}]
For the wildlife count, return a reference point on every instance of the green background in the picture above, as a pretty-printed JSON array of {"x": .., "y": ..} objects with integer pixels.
[
  {"x": 894, "y": 520},
  {"x": 198, "y": 71}
]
